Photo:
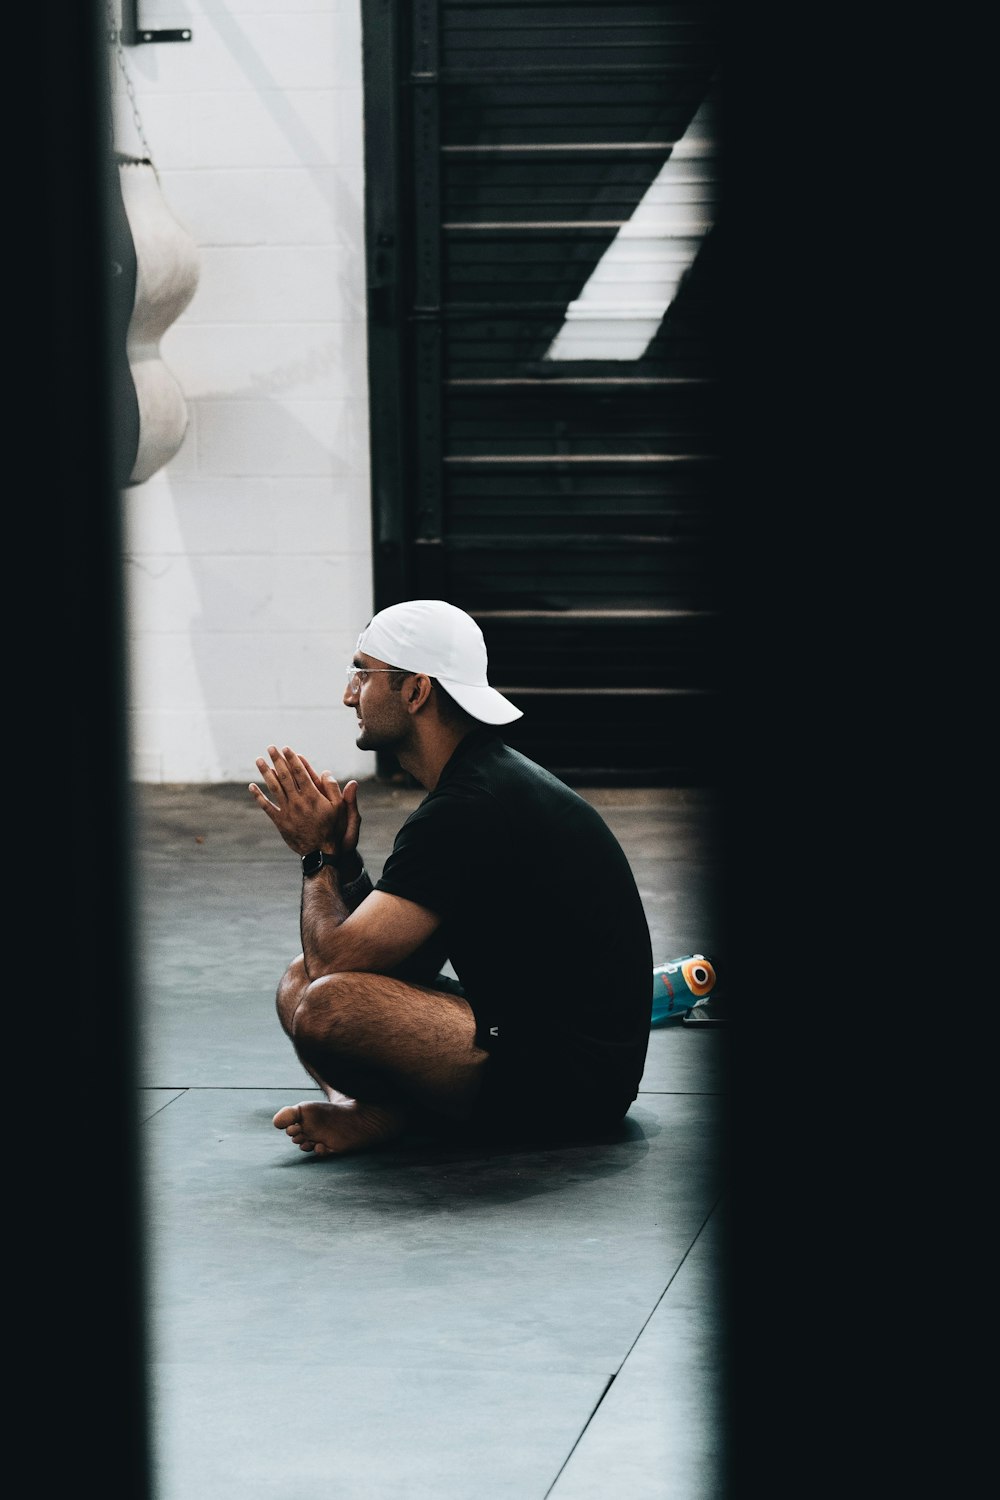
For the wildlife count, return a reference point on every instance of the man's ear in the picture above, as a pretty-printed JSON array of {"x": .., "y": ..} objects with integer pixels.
[{"x": 418, "y": 692}]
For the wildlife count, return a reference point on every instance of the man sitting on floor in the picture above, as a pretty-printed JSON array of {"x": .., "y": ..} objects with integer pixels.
[{"x": 503, "y": 870}]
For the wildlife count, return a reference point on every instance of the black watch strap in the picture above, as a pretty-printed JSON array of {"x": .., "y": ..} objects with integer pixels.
[{"x": 314, "y": 861}]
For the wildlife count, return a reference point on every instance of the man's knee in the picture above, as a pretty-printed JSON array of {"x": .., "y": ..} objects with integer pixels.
[
  {"x": 291, "y": 986},
  {"x": 369, "y": 1033},
  {"x": 331, "y": 1010}
]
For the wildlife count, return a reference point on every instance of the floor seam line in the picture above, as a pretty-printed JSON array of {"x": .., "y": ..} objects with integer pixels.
[{"x": 615, "y": 1373}]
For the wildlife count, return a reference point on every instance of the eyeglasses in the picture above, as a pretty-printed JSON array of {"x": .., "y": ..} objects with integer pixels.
[{"x": 357, "y": 675}]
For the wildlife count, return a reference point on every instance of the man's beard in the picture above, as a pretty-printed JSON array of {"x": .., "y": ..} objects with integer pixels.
[{"x": 374, "y": 739}]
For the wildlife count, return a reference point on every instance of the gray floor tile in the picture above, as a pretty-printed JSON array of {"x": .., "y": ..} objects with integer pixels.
[
  {"x": 520, "y": 1259},
  {"x": 322, "y": 1424},
  {"x": 659, "y": 1432},
  {"x": 151, "y": 1101},
  {"x": 683, "y": 1059}
]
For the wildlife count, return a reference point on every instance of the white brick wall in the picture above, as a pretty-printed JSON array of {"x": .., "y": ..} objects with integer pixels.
[{"x": 248, "y": 557}]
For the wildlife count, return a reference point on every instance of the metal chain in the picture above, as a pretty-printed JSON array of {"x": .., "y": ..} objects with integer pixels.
[{"x": 115, "y": 35}]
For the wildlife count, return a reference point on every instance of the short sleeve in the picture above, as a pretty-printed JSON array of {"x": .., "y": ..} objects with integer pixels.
[{"x": 438, "y": 853}]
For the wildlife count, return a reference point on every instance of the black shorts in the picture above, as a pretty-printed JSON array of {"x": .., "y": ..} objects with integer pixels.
[{"x": 534, "y": 1099}]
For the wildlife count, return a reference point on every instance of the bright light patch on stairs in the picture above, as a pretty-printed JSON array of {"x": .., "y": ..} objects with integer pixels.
[{"x": 623, "y": 303}]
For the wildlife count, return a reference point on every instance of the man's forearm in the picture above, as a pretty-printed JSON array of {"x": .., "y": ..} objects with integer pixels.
[{"x": 328, "y": 898}]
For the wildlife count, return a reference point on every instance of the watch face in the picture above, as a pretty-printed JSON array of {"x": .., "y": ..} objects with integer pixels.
[{"x": 312, "y": 862}]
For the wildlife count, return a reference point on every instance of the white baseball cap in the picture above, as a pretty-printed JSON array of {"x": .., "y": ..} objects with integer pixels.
[{"x": 428, "y": 635}]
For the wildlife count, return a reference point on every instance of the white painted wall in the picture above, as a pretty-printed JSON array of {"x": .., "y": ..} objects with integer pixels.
[{"x": 248, "y": 557}]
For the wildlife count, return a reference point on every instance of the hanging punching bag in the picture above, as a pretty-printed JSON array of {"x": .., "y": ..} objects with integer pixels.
[
  {"x": 124, "y": 403},
  {"x": 165, "y": 277}
]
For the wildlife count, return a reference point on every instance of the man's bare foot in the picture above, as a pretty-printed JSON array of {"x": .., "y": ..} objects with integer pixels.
[{"x": 333, "y": 1129}]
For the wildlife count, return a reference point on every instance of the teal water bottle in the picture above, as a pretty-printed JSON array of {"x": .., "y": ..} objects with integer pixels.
[{"x": 679, "y": 985}]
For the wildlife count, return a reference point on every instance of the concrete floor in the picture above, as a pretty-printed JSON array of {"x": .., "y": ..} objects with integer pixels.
[{"x": 430, "y": 1320}]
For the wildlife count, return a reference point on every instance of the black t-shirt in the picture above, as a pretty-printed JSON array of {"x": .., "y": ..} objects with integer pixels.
[{"x": 541, "y": 917}]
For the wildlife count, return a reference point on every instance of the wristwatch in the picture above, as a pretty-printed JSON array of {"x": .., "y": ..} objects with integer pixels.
[{"x": 314, "y": 861}]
